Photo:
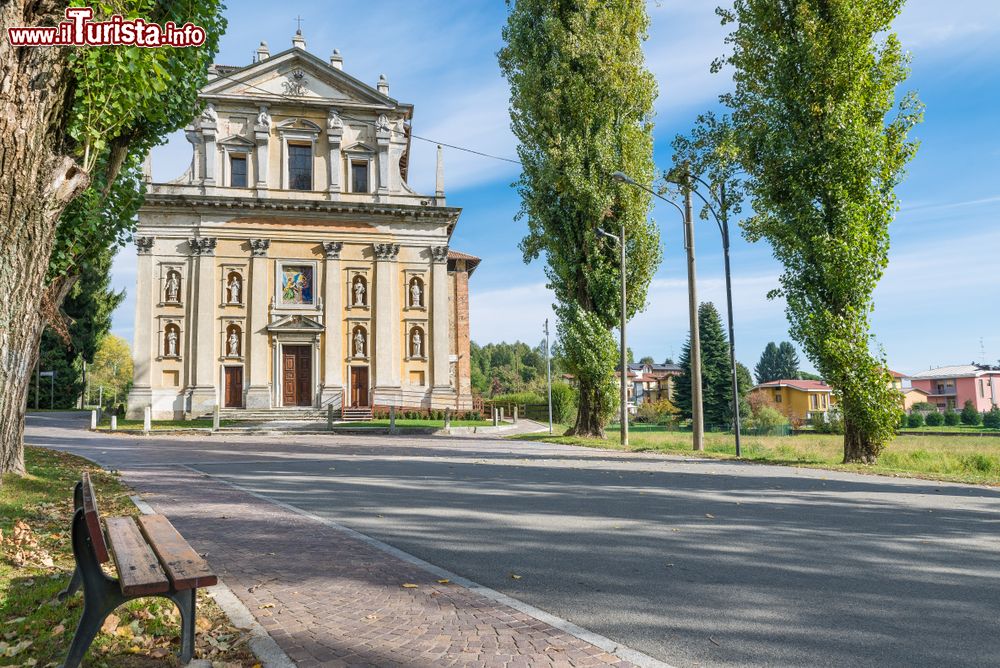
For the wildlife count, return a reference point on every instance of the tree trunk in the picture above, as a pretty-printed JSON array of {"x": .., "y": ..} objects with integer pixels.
[
  {"x": 37, "y": 181},
  {"x": 858, "y": 448},
  {"x": 588, "y": 416}
]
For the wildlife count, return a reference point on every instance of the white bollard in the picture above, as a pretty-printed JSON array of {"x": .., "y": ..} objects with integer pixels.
[
  {"x": 114, "y": 422},
  {"x": 496, "y": 416},
  {"x": 392, "y": 419},
  {"x": 147, "y": 419},
  {"x": 501, "y": 414},
  {"x": 329, "y": 417},
  {"x": 447, "y": 418},
  {"x": 515, "y": 414},
  {"x": 93, "y": 419},
  {"x": 215, "y": 418}
]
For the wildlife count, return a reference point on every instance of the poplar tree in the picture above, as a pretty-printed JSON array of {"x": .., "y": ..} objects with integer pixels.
[
  {"x": 581, "y": 108},
  {"x": 825, "y": 144}
]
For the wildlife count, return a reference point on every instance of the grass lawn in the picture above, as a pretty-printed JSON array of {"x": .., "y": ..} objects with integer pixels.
[
  {"x": 960, "y": 459},
  {"x": 165, "y": 425},
  {"x": 382, "y": 423},
  {"x": 36, "y": 561},
  {"x": 961, "y": 428}
]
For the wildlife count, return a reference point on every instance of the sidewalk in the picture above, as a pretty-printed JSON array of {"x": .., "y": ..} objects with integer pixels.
[{"x": 329, "y": 599}]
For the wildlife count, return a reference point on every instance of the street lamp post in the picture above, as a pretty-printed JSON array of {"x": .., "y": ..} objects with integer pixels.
[
  {"x": 548, "y": 371},
  {"x": 722, "y": 221},
  {"x": 697, "y": 425},
  {"x": 624, "y": 357}
]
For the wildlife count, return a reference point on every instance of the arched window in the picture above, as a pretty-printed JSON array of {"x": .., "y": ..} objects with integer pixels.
[
  {"x": 417, "y": 342},
  {"x": 234, "y": 341},
  {"x": 234, "y": 288},
  {"x": 359, "y": 342},
  {"x": 172, "y": 287},
  {"x": 359, "y": 291},
  {"x": 171, "y": 341},
  {"x": 416, "y": 292}
]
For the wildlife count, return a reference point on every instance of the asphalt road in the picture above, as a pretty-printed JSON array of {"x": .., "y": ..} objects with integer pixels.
[{"x": 694, "y": 562}]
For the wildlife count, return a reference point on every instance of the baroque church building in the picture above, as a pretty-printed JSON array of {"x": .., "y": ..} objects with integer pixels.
[{"x": 292, "y": 267}]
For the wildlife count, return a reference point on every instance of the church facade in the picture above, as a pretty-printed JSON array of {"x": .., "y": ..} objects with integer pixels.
[{"x": 292, "y": 266}]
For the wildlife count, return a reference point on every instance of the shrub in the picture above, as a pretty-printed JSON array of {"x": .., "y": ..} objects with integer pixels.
[
  {"x": 656, "y": 412},
  {"x": 923, "y": 406},
  {"x": 991, "y": 418},
  {"x": 934, "y": 419},
  {"x": 915, "y": 420},
  {"x": 951, "y": 418},
  {"x": 970, "y": 415},
  {"x": 904, "y": 421},
  {"x": 564, "y": 401},
  {"x": 766, "y": 419}
]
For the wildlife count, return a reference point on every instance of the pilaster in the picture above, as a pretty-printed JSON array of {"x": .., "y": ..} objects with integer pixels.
[
  {"x": 440, "y": 334},
  {"x": 332, "y": 390},
  {"x": 209, "y": 120},
  {"x": 334, "y": 135},
  {"x": 262, "y": 134},
  {"x": 383, "y": 135},
  {"x": 204, "y": 395},
  {"x": 258, "y": 388},
  {"x": 386, "y": 346},
  {"x": 141, "y": 394}
]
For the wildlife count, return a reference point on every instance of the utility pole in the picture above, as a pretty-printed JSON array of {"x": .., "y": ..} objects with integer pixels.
[
  {"x": 86, "y": 386},
  {"x": 724, "y": 210},
  {"x": 623, "y": 418},
  {"x": 697, "y": 420},
  {"x": 548, "y": 371},
  {"x": 38, "y": 378}
]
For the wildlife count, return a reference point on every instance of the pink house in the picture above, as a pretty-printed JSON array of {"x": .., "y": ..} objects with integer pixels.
[{"x": 951, "y": 386}]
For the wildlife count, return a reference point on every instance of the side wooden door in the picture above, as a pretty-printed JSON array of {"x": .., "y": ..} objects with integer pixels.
[
  {"x": 288, "y": 384},
  {"x": 234, "y": 387},
  {"x": 303, "y": 376},
  {"x": 359, "y": 386}
]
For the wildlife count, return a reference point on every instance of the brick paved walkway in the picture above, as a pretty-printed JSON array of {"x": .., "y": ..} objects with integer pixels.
[{"x": 329, "y": 599}]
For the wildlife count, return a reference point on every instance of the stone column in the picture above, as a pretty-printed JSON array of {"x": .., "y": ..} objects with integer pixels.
[
  {"x": 332, "y": 390},
  {"x": 140, "y": 396},
  {"x": 334, "y": 135},
  {"x": 257, "y": 299},
  {"x": 208, "y": 127},
  {"x": 463, "y": 380},
  {"x": 383, "y": 135},
  {"x": 386, "y": 349},
  {"x": 439, "y": 330},
  {"x": 203, "y": 337}
]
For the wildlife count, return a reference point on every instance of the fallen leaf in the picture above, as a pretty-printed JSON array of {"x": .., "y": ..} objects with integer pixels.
[
  {"x": 371, "y": 616},
  {"x": 265, "y": 605},
  {"x": 409, "y": 585},
  {"x": 159, "y": 653},
  {"x": 710, "y": 516},
  {"x": 110, "y": 624},
  {"x": 58, "y": 630},
  {"x": 514, "y": 576},
  {"x": 443, "y": 581}
]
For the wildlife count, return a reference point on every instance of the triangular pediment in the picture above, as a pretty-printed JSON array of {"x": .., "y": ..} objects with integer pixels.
[
  {"x": 295, "y": 323},
  {"x": 236, "y": 140},
  {"x": 299, "y": 76}
]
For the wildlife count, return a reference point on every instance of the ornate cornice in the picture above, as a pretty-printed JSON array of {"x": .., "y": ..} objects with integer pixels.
[
  {"x": 386, "y": 251},
  {"x": 332, "y": 249},
  {"x": 258, "y": 247},
  {"x": 202, "y": 245},
  {"x": 144, "y": 245},
  {"x": 439, "y": 253}
]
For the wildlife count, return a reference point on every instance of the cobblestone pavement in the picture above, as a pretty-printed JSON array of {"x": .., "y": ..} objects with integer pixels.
[{"x": 329, "y": 599}]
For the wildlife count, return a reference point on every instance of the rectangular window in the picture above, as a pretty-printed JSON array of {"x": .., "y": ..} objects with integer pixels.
[
  {"x": 777, "y": 397},
  {"x": 299, "y": 167},
  {"x": 982, "y": 388},
  {"x": 238, "y": 171},
  {"x": 359, "y": 177},
  {"x": 813, "y": 401}
]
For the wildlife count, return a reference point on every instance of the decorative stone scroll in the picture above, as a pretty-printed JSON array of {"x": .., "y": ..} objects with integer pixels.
[
  {"x": 144, "y": 245},
  {"x": 202, "y": 246},
  {"x": 332, "y": 249},
  {"x": 258, "y": 247},
  {"x": 439, "y": 253},
  {"x": 386, "y": 251}
]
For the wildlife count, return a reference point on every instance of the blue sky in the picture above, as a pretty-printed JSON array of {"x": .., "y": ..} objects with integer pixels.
[{"x": 938, "y": 303}]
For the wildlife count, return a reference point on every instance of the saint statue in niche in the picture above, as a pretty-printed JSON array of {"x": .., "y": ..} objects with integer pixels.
[
  {"x": 417, "y": 343},
  {"x": 173, "y": 287},
  {"x": 234, "y": 289},
  {"x": 172, "y": 342},
  {"x": 264, "y": 118},
  {"x": 234, "y": 344},
  {"x": 359, "y": 291},
  {"x": 359, "y": 343},
  {"x": 415, "y": 293}
]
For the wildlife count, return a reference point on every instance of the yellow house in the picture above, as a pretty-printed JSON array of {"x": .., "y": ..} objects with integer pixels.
[{"x": 797, "y": 400}]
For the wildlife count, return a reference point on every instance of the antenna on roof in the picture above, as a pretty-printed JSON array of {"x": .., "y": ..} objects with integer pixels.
[{"x": 982, "y": 351}]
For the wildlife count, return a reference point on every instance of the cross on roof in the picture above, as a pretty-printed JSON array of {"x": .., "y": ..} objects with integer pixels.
[{"x": 298, "y": 20}]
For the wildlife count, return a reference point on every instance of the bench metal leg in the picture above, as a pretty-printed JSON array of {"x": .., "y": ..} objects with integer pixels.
[
  {"x": 101, "y": 594},
  {"x": 74, "y": 583},
  {"x": 185, "y": 601}
]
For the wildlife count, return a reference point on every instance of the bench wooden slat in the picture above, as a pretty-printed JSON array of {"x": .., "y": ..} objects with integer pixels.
[
  {"x": 139, "y": 571},
  {"x": 93, "y": 520},
  {"x": 185, "y": 568}
]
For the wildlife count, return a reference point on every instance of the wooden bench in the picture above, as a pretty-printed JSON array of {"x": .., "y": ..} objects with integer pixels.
[{"x": 152, "y": 559}]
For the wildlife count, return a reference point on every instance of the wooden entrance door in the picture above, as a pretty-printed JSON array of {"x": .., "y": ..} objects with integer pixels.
[
  {"x": 296, "y": 372},
  {"x": 359, "y": 386},
  {"x": 234, "y": 387}
]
